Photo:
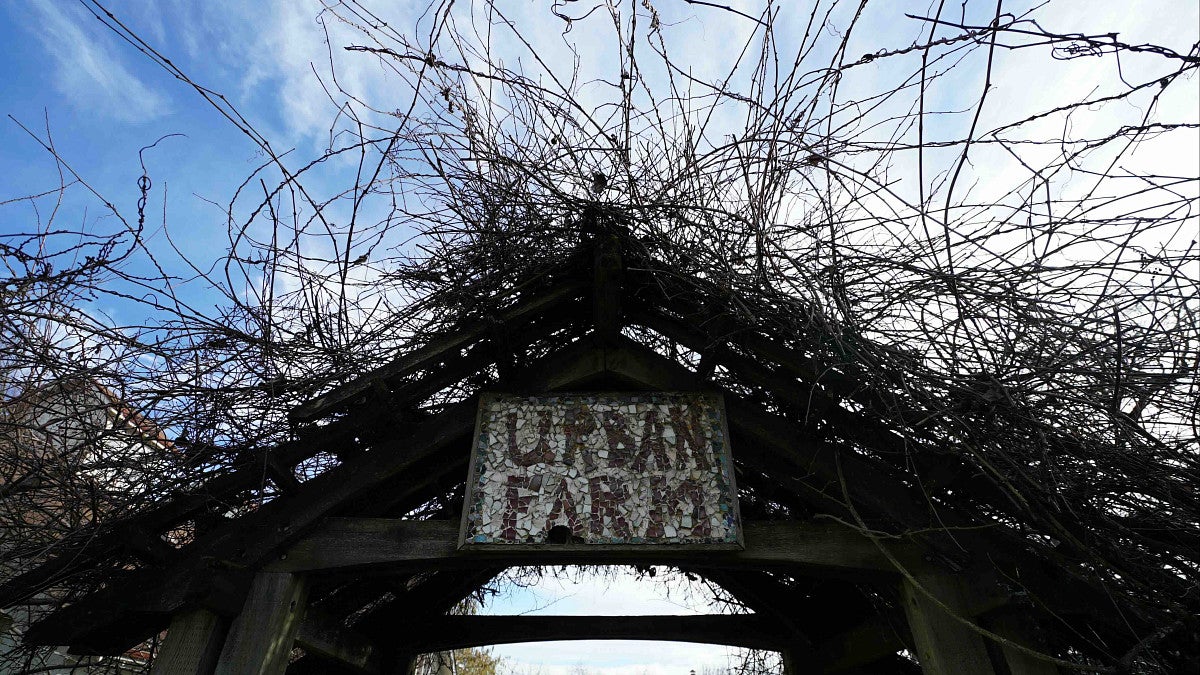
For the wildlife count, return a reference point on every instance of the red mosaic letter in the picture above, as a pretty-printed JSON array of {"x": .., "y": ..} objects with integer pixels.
[
  {"x": 539, "y": 453},
  {"x": 514, "y": 505},
  {"x": 621, "y": 445},
  {"x": 652, "y": 444},
  {"x": 689, "y": 437},
  {"x": 606, "y": 509},
  {"x": 564, "y": 505}
]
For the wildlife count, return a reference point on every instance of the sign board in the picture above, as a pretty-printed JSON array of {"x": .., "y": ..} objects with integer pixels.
[{"x": 610, "y": 469}]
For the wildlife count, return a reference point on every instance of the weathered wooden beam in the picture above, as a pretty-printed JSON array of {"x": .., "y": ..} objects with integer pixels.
[
  {"x": 280, "y": 474},
  {"x": 446, "y": 589},
  {"x": 252, "y": 538},
  {"x": 435, "y": 596},
  {"x": 945, "y": 644},
  {"x": 447, "y": 632},
  {"x": 817, "y": 470},
  {"x": 192, "y": 645},
  {"x": 363, "y": 544},
  {"x": 1011, "y": 625},
  {"x": 260, "y": 638},
  {"x": 606, "y": 286},
  {"x": 436, "y": 347},
  {"x": 85, "y": 549},
  {"x": 150, "y": 548},
  {"x": 765, "y": 598},
  {"x": 871, "y": 640},
  {"x": 339, "y": 598},
  {"x": 938, "y": 467},
  {"x": 325, "y": 637}
]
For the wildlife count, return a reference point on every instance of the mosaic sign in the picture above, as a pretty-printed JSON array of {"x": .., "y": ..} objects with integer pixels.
[{"x": 601, "y": 469}]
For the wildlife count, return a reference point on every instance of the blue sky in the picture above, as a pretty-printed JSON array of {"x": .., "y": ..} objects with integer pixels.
[
  {"x": 103, "y": 101},
  {"x": 571, "y": 592}
]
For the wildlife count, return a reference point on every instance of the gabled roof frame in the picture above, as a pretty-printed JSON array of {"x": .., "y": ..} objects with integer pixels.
[{"x": 376, "y": 411}]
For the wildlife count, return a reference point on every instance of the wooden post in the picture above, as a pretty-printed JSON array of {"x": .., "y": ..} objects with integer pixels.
[
  {"x": 798, "y": 660},
  {"x": 1012, "y": 626},
  {"x": 944, "y": 645},
  {"x": 193, "y": 644},
  {"x": 399, "y": 663},
  {"x": 260, "y": 639},
  {"x": 326, "y": 637},
  {"x": 606, "y": 287}
]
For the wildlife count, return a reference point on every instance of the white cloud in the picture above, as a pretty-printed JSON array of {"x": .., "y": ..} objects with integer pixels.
[
  {"x": 612, "y": 657},
  {"x": 89, "y": 71},
  {"x": 617, "y": 592}
]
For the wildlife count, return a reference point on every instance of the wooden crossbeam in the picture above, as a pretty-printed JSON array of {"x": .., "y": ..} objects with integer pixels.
[
  {"x": 386, "y": 545},
  {"x": 816, "y": 470},
  {"x": 436, "y": 348},
  {"x": 253, "y": 537},
  {"x": 260, "y": 639},
  {"x": 944, "y": 644},
  {"x": 938, "y": 468},
  {"x": 871, "y": 640},
  {"x": 89, "y": 546},
  {"x": 325, "y": 637},
  {"x": 447, "y": 632}
]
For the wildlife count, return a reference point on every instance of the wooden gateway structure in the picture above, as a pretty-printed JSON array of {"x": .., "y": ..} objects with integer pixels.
[{"x": 856, "y": 548}]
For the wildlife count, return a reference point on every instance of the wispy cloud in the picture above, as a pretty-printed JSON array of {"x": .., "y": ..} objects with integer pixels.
[
  {"x": 613, "y": 657},
  {"x": 618, "y": 593},
  {"x": 88, "y": 71}
]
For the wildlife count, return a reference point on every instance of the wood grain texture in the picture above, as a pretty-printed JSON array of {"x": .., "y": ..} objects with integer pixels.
[
  {"x": 193, "y": 644},
  {"x": 386, "y": 544},
  {"x": 435, "y": 348},
  {"x": 1013, "y": 626},
  {"x": 260, "y": 639},
  {"x": 322, "y": 636},
  {"x": 945, "y": 646}
]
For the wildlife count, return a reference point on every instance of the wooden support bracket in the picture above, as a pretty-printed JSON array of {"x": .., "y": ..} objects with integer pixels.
[
  {"x": 606, "y": 287},
  {"x": 385, "y": 545},
  {"x": 324, "y": 637},
  {"x": 193, "y": 644},
  {"x": 945, "y": 645},
  {"x": 260, "y": 639},
  {"x": 1012, "y": 626}
]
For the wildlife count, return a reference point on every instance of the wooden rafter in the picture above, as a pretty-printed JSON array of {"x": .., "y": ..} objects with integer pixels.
[
  {"x": 435, "y": 349},
  {"x": 413, "y": 461}
]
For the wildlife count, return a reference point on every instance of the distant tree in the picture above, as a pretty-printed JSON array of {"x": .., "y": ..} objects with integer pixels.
[
  {"x": 476, "y": 662},
  {"x": 472, "y": 661}
]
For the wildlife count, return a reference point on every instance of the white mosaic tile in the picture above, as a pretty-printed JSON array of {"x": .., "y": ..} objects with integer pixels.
[{"x": 601, "y": 469}]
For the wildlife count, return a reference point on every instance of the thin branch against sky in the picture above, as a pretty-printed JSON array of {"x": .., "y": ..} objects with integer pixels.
[{"x": 1031, "y": 240}]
